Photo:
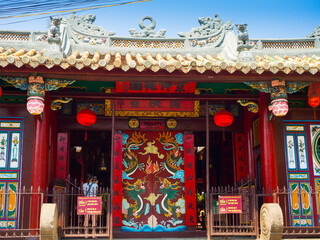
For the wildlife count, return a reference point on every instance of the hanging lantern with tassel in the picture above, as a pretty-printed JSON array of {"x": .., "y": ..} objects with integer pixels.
[
  {"x": 86, "y": 117},
  {"x": 223, "y": 119},
  {"x": 314, "y": 97}
]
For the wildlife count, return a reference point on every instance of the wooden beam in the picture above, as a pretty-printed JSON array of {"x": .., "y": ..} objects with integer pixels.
[{"x": 87, "y": 74}]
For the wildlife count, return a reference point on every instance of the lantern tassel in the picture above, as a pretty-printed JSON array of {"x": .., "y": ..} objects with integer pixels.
[
  {"x": 85, "y": 135},
  {"x": 314, "y": 114},
  {"x": 223, "y": 135}
]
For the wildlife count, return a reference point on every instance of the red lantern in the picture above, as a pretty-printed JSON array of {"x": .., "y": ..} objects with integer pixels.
[
  {"x": 223, "y": 118},
  {"x": 86, "y": 117},
  {"x": 314, "y": 96},
  {"x": 314, "y": 100}
]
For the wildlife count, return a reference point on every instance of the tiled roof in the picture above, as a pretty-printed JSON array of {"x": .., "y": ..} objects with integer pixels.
[{"x": 140, "y": 62}]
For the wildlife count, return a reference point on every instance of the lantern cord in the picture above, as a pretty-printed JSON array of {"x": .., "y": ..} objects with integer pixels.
[
  {"x": 314, "y": 114},
  {"x": 223, "y": 135},
  {"x": 86, "y": 135}
]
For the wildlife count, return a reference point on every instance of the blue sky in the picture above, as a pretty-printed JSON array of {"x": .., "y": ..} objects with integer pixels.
[{"x": 265, "y": 18}]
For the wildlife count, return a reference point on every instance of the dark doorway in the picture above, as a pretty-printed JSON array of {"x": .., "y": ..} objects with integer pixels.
[
  {"x": 90, "y": 154},
  {"x": 221, "y": 168},
  {"x": 221, "y": 164}
]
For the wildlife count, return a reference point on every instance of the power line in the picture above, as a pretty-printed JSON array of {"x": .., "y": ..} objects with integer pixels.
[{"x": 73, "y": 10}]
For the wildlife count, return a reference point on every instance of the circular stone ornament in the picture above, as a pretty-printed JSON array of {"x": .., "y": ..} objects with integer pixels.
[
  {"x": 271, "y": 221},
  {"x": 151, "y": 26}
]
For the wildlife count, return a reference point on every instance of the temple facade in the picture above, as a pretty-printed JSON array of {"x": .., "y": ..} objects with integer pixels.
[{"x": 162, "y": 122}]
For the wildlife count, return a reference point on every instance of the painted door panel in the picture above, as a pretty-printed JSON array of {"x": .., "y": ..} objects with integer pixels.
[{"x": 153, "y": 181}]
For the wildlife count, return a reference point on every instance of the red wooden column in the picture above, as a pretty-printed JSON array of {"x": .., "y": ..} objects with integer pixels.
[
  {"x": 53, "y": 148},
  {"x": 40, "y": 161},
  {"x": 269, "y": 169},
  {"x": 248, "y": 135}
]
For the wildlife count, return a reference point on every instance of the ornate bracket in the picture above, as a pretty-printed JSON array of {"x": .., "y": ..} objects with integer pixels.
[
  {"x": 36, "y": 88},
  {"x": 17, "y": 82},
  {"x": 272, "y": 87},
  {"x": 57, "y": 104},
  {"x": 252, "y": 106},
  {"x": 49, "y": 84},
  {"x": 278, "y": 90}
]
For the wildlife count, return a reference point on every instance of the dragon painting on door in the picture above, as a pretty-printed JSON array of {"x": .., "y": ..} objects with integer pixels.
[{"x": 153, "y": 182}]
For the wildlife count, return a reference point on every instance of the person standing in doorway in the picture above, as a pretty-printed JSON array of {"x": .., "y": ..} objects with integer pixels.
[{"x": 90, "y": 189}]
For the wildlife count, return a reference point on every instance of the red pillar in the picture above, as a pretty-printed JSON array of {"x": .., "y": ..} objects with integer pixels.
[
  {"x": 269, "y": 169},
  {"x": 248, "y": 135},
  {"x": 40, "y": 161},
  {"x": 53, "y": 148}
]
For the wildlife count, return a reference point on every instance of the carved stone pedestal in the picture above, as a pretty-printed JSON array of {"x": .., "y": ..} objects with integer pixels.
[
  {"x": 49, "y": 222},
  {"x": 271, "y": 221}
]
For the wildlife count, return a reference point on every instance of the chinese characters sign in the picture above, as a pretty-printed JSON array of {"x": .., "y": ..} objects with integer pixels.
[
  {"x": 117, "y": 180},
  {"x": 153, "y": 108},
  {"x": 62, "y": 151},
  {"x": 152, "y": 125},
  {"x": 230, "y": 204},
  {"x": 154, "y": 105},
  {"x": 190, "y": 184},
  {"x": 241, "y": 164},
  {"x": 156, "y": 87},
  {"x": 89, "y": 205}
]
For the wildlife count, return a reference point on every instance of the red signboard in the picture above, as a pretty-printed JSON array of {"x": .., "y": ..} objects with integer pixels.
[
  {"x": 190, "y": 180},
  {"x": 117, "y": 180},
  {"x": 152, "y": 125},
  {"x": 89, "y": 205},
  {"x": 230, "y": 204},
  {"x": 155, "y": 87},
  {"x": 62, "y": 151},
  {"x": 241, "y": 164},
  {"x": 154, "y": 105}
]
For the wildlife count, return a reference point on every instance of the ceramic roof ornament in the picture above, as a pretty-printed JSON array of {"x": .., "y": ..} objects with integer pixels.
[
  {"x": 208, "y": 26},
  {"x": 315, "y": 33},
  {"x": 147, "y": 31},
  {"x": 84, "y": 25},
  {"x": 54, "y": 31},
  {"x": 244, "y": 44},
  {"x": 211, "y": 47}
]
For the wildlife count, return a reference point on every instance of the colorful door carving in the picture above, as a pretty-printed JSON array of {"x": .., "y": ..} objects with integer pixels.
[
  {"x": 153, "y": 186},
  {"x": 303, "y": 169},
  {"x": 11, "y": 136}
]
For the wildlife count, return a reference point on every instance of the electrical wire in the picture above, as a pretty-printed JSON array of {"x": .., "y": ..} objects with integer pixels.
[{"x": 30, "y": 8}]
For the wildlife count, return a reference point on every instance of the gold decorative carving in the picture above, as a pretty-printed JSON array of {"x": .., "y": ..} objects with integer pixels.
[
  {"x": 57, "y": 104},
  {"x": 252, "y": 106}
]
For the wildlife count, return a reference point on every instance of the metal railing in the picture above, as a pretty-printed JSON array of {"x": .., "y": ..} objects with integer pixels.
[
  {"x": 234, "y": 224},
  {"x": 72, "y": 225},
  {"x": 18, "y": 225},
  {"x": 298, "y": 220}
]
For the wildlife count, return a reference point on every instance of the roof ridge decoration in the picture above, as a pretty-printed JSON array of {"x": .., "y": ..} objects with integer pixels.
[
  {"x": 211, "y": 32},
  {"x": 147, "y": 31},
  {"x": 54, "y": 31},
  {"x": 208, "y": 26},
  {"x": 315, "y": 33},
  {"x": 83, "y": 25},
  {"x": 243, "y": 38}
]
